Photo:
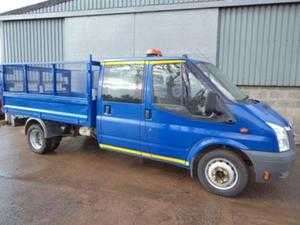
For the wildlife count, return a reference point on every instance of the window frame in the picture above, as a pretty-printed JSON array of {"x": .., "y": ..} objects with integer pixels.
[
  {"x": 181, "y": 78},
  {"x": 121, "y": 64},
  {"x": 190, "y": 115}
]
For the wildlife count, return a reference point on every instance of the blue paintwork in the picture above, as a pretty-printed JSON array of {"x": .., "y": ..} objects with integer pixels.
[
  {"x": 123, "y": 126},
  {"x": 59, "y": 104},
  {"x": 1, "y": 91},
  {"x": 56, "y": 105},
  {"x": 165, "y": 133}
]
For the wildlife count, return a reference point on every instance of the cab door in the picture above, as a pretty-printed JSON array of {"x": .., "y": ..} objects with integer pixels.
[
  {"x": 120, "y": 106},
  {"x": 171, "y": 127}
]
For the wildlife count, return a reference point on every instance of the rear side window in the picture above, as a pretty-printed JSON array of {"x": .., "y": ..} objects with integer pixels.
[{"x": 123, "y": 83}]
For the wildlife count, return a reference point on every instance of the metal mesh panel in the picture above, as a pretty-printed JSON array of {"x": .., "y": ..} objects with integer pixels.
[
  {"x": 40, "y": 78},
  {"x": 47, "y": 82},
  {"x": 33, "y": 79},
  {"x": 74, "y": 77},
  {"x": 63, "y": 81},
  {"x": 71, "y": 79},
  {"x": 14, "y": 78}
]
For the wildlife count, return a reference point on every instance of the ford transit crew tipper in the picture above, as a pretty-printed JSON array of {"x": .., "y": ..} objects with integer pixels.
[{"x": 172, "y": 109}]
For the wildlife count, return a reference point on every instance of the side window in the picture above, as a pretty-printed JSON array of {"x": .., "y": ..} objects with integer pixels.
[
  {"x": 167, "y": 84},
  {"x": 177, "y": 89},
  {"x": 123, "y": 83}
]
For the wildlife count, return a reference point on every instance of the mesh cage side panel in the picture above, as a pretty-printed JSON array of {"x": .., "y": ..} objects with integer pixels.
[{"x": 14, "y": 79}]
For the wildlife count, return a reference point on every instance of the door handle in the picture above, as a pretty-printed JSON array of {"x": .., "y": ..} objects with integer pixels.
[
  {"x": 107, "y": 109},
  {"x": 148, "y": 114}
]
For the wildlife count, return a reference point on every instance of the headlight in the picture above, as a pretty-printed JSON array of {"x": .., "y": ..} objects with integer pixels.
[{"x": 282, "y": 137}]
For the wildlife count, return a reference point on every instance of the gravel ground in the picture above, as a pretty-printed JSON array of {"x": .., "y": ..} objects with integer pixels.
[{"x": 79, "y": 184}]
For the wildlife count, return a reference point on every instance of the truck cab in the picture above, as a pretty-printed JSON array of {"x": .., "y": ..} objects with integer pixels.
[
  {"x": 1, "y": 110},
  {"x": 176, "y": 110}
]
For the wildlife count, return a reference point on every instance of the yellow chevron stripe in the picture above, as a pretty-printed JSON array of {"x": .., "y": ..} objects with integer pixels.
[
  {"x": 144, "y": 154},
  {"x": 112, "y": 63},
  {"x": 155, "y": 62},
  {"x": 152, "y": 62}
]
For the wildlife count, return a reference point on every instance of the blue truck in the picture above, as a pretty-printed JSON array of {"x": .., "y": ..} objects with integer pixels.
[
  {"x": 172, "y": 109},
  {"x": 1, "y": 110}
]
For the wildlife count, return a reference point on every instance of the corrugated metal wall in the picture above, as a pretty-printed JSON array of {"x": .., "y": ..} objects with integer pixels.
[
  {"x": 33, "y": 40},
  {"x": 260, "y": 45},
  {"x": 77, "y": 5}
]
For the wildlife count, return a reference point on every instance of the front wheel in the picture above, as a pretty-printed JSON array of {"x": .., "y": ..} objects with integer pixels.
[
  {"x": 36, "y": 139},
  {"x": 223, "y": 173}
]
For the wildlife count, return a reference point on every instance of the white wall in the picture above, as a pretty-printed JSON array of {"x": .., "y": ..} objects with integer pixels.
[
  {"x": 192, "y": 32},
  {"x": 100, "y": 36}
]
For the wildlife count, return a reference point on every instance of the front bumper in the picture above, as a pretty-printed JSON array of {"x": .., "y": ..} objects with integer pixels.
[{"x": 277, "y": 164}]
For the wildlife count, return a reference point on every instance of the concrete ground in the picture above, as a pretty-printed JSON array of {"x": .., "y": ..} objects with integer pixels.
[{"x": 81, "y": 185}]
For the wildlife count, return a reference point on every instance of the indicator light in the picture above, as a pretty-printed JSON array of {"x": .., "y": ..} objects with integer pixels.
[
  {"x": 244, "y": 130},
  {"x": 267, "y": 175}
]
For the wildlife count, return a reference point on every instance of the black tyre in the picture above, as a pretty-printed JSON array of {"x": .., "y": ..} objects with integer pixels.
[
  {"x": 36, "y": 139},
  {"x": 54, "y": 143},
  {"x": 223, "y": 173}
]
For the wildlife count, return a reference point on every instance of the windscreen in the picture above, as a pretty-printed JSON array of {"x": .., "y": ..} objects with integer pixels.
[{"x": 220, "y": 80}]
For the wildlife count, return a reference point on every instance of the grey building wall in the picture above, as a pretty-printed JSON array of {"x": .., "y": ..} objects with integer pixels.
[
  {"x": 32, "y": 40},
  {"x": 1, "y": 43},
  {"x": 100, "y": 36},
  {"x": 260, "y": 45},
  {"x": 192, "y": 32}
]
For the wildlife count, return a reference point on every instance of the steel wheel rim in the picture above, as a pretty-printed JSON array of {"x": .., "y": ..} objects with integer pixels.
[
  {"x": 221, "y": 174},
  {"x": 36, "y": 139}
]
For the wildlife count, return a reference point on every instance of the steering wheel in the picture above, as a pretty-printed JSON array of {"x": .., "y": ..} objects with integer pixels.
[{"x": 197, "y": 105}]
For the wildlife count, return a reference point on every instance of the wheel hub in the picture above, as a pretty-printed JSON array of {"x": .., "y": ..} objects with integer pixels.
[
  {"x": 221, "y": 173},
  {"x": 36, "y": 139}
]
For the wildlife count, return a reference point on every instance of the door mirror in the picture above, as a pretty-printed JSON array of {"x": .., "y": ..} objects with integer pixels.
[{"x": 212, "y": 103}]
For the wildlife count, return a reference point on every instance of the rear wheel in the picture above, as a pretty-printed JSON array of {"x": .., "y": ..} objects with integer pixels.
[
  {"x": 55, "y": 141},
  {"x": 36, "y": 139},
  {"x": 222, "y": 172}
]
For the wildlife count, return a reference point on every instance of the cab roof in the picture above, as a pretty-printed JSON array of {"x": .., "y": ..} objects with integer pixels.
[
  {"x": 151, "y": 60},
  {"x": 146, "y": 58},
  {"x": 118, "y": 60}
]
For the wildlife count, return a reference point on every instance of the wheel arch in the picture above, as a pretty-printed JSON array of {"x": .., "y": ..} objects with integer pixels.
[
  {"x": 213, "y": 146},
  {"x": 51, "y": 129},
  {"x": 32, "y": 121}
]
